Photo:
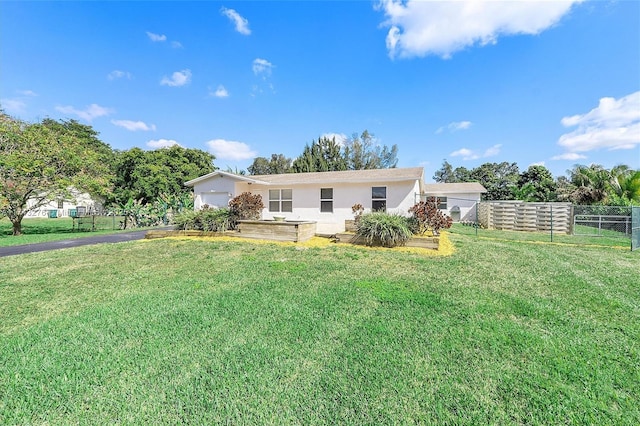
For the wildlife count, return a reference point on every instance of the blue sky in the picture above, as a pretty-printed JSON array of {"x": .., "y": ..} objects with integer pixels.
[{"x": 547, "y": 82}]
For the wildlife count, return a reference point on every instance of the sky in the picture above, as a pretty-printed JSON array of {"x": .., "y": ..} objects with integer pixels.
[{"x": 555, "y": 83}]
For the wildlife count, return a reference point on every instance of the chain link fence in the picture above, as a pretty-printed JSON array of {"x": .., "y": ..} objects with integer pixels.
[
  {"x": 635, "y": 228},
  {"x": 557, "y": 222}
]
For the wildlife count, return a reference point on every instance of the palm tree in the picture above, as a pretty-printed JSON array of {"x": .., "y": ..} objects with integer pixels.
[
  {"x": 626, "y": 186},
  {"x": 591, "y": 184}
]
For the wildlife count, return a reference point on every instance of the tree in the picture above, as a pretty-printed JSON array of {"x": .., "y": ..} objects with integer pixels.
[
  {"x": 160, "y": 174},
  {"x": 362, "y": 152},
  {"x": 499, "y": 179},
  {"x": 444, "y": 174},
  {"x": 590, "y": 184},
  {"x": 323, "y": 155},
  {"x": 43, "y": 161},
  {"x": 536, "y": 184},
  {"x": 278, "y": 164},
  {"x": 625, "y": 186}
]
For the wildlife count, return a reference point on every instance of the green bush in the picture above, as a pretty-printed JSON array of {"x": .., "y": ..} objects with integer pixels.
[
  {"x": 208, "y": 219},
  {"x": 388, "y": 230}
]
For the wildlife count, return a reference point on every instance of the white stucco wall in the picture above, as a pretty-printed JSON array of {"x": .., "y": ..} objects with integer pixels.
[
  {"x": 71, "y": 203},
  {"x": 465, "y": 201},
  {"x": 216, "y": 192},
  {"x": 306, "y": 201}
]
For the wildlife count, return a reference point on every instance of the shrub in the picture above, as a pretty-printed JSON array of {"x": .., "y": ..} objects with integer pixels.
[
  {"x": 246, "y": 206},
  {"x": 185, "y": 220},
  {"x": 357, "y": 210},
  {"x": 426, "y": 216},
  {"x": 208, "y": 219},
  {"x": 388, "y": 230}
]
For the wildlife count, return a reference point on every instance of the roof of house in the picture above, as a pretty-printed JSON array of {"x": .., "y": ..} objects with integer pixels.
[
  {"x": 454, "y": 188},
  {"x": 359, "y": 176}
]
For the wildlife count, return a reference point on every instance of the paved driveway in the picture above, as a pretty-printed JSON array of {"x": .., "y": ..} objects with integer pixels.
[{"x": 76, "y": 242}]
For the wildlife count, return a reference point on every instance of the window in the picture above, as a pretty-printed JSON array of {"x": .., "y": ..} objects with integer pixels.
[
  {"x": 379, "y": 198},
  {"x": 441, "y": 202},
  {"x": 326, "y": 200},
  {"x": 61, "y": 204},
  {"x": 281, "y": 200}
]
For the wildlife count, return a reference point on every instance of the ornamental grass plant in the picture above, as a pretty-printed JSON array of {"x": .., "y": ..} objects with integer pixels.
[{"x": 387, "y": 230}]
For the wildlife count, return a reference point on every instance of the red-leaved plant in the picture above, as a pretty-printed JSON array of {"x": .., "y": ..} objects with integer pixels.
[{"x": 426, "y": 217}]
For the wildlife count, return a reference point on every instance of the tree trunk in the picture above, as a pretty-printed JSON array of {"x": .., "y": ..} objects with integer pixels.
[{"x": 17, "y": 226}]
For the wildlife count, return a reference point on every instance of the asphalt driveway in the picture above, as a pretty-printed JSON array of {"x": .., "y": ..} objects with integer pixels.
[{"x": 76, "y": 242}]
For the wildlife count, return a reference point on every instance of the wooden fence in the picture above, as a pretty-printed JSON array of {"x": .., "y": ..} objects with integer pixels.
[{"x": 525, "y": 216}]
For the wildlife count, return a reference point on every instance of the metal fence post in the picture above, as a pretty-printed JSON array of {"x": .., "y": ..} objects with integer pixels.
[{"x": 551, "y": 211}]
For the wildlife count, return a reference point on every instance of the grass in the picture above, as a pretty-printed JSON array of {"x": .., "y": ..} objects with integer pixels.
[
  {"x": 40, "y": 230},
  {"x": 217, "y": 331},
  {"x": 607, "y": 239}
]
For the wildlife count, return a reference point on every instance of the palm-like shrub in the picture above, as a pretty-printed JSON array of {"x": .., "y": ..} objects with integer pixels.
[
  {"x": 387, "y": 230},
  {"x": 208, "y": 219}
]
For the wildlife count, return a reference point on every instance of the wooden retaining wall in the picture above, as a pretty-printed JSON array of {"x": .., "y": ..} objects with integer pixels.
[
  {"x": 525, "y": 216},
  {"x": 432, "y": 243},
  {"x": 276, "y": 231}
]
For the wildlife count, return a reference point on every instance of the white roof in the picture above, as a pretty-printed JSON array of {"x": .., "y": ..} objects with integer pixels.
[{"x": 454, "y": 188}]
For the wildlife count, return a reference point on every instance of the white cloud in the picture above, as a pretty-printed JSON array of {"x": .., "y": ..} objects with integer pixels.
[
  {"x": 613, "y": 124},
  {"x": 134, "y": 125},
  {"x": 262, "y": 66},
  {"x": 230, "y": 150},
  {"x": 116, "y": 74},
  {"x": 493, "y": 151},
  {"x": 421, "y": 28},
  {"x": 13, "y": 105},
  {"x": 156, "y": 37},
  {"x": 537, "y": 163},
  {"x": 468, "y": 154},
  {"x": 178, "y": 78},
  {"x": 220, "y": 92},
  {"x": 176, "y": 45},
  {"x": 341, "y": 138},
  {"x": 242, "y": 25},
  {"x": 572, "y": 156},
  {"x": 162, "y": 143},
  {"x": 88, "y": 114},
  {"x": 455, "y": 126},
  {"x": 27, "y": 93},
  {"x": 465, "y": 153}
]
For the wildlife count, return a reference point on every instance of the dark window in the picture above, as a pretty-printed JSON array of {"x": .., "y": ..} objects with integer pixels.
[
  {"x": 379, "y": 198},
  {"x": 442, "y": 203},
  {"x": 280, "y": 200},
  {"x": 326, "y": 200},
  {"x": 61, "y": 204}
]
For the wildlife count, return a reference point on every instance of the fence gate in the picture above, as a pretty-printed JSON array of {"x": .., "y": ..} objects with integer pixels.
[{"x": 635, "y": 228}]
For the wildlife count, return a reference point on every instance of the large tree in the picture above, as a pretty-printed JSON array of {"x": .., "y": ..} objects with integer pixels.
[
  {"x": 149, "y": 176},
  {"x": 323, "y": 155},
  {"x": 278, "y": 164},
  {"x": 536, "y": 184},
  {"x": 499, "y": 179},
  {"x": 363, "y": 152},
  {"x": 40, "y": 162}
]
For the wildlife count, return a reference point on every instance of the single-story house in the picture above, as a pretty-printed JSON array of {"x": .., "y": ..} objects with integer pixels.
[
  {"x": 323, "y": 197},
  {"x": 457, "y": 200},
  {"x": 77, "y": 204}
]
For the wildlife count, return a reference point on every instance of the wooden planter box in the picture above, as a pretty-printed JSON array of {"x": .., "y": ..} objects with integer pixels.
[
  {"x": 150, "y": 235},
  {"x": 350, "y": 225},
  {"x": 432, "y": 243},
  {"x": 295, "y": 231}
]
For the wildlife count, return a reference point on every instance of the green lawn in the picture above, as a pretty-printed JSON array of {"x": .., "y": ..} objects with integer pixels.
[
  {"x": 209, "y": 332},
  {"x": 608, "y": 238},
  {"x": 39, "y": 230}
]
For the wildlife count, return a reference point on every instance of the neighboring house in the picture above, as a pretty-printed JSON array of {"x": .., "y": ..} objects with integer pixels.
[
  {"x": 458, "y": 200},
  {"x": 78, "y": 204},
  {"x": 324, "y": 197}
]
